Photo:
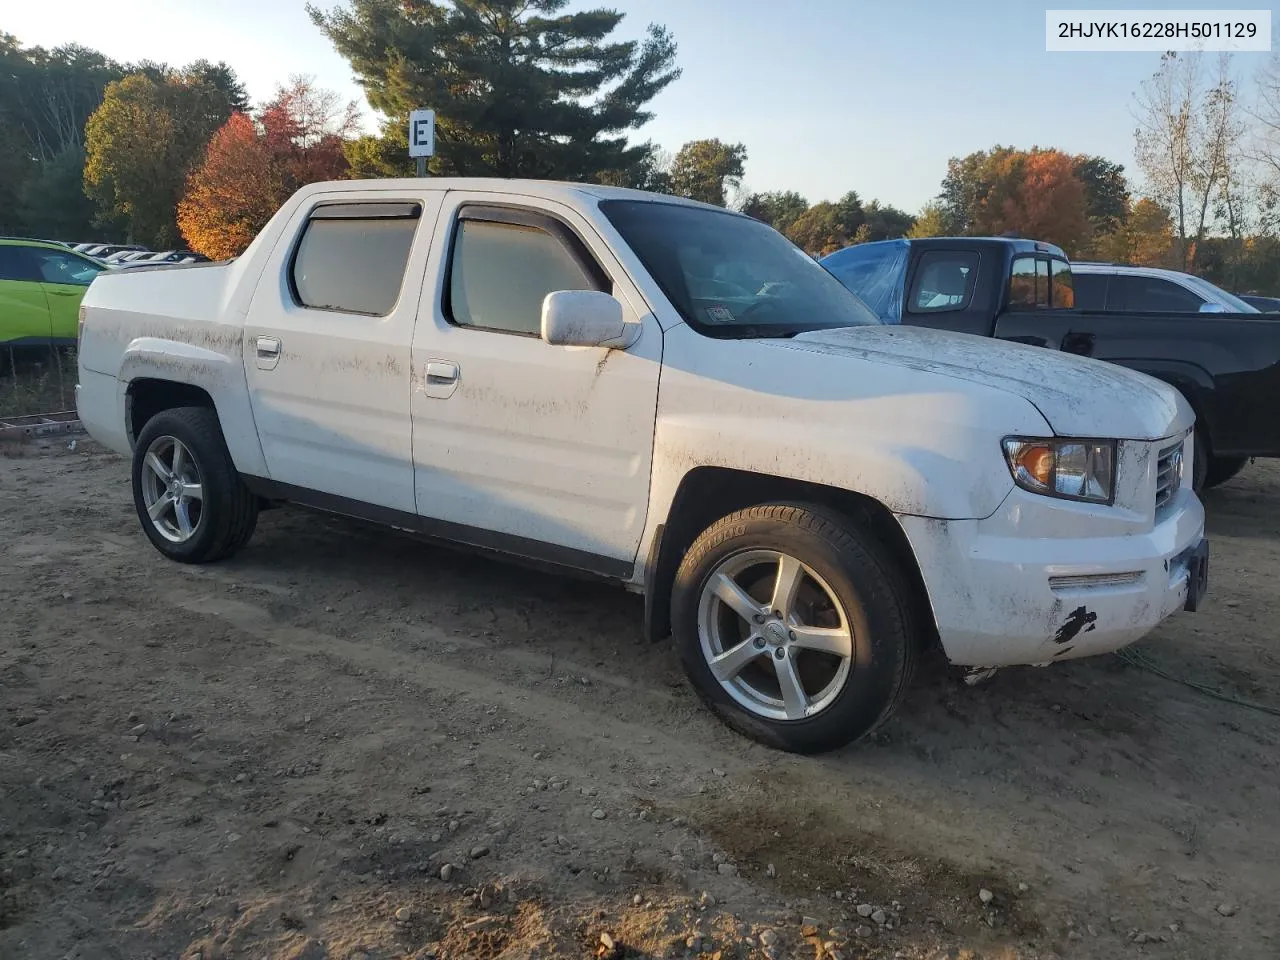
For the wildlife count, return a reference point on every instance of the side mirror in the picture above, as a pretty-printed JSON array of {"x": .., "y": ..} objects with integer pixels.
[
  {"x": 583, "y": 318},
  {"x": 1212, "y": 308}
]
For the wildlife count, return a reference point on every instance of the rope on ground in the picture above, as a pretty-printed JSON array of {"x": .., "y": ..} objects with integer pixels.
[{"x": 1142, "y": 663}]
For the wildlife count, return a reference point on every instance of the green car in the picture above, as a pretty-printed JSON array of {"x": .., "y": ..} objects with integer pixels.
[{"x": 41, "y": 285}]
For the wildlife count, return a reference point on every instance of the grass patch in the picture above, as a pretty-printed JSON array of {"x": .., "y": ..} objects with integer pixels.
[{"x": 37, "y": 380}]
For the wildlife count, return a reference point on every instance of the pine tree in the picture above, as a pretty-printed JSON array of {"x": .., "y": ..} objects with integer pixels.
[{"x": 520, "y": 88}]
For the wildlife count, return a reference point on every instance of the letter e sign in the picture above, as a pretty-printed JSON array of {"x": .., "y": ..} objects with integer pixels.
[{"x": 422, "y": 133}]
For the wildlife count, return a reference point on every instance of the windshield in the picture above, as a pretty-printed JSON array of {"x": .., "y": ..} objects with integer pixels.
[
  {"x": 731, "y": 276},
  {"x": 1213, "y": 292}
]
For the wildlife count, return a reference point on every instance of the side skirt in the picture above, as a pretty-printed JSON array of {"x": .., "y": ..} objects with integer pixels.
[{"x": 544, "y": 555}]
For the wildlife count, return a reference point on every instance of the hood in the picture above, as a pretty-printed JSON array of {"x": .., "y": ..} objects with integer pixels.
[{"x": 1078, "y": 396}]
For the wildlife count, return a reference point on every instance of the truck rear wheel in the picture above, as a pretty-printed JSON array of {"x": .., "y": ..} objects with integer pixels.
[
  {"x": 794, "y": 626},
  {"x": 193, "y": 505}
]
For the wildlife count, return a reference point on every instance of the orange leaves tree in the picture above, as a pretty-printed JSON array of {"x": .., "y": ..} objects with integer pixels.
[
  {"x": 252, "y": 166},
  {"x": 1040, "y": 193},
  {"x": 232, "y": 193},
  {"x": 1050, "y": 201}
]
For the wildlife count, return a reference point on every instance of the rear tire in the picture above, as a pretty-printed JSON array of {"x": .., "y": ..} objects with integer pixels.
[
  {"x": 817, "y": 644},
  {"x": 192, "y": 504}
]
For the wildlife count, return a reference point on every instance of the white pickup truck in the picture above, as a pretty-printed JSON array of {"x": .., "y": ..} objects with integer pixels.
[{"x": 664, "y": 394}]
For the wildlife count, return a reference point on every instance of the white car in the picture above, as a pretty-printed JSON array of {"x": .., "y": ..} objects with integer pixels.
[
  {"x": 667, "y": 395},
  {"x": 1114, "y": 286}
]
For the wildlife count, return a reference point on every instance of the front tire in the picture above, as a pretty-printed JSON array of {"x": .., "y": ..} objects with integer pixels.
[
  {"x": 192, "y": 504},
  {"x": 1200, "y": 462},
  {"x": 1222, "y": 469},
  {"x": 794, "y": 626}
]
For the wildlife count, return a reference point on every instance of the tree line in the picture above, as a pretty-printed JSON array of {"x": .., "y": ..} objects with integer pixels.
[{"x": 95, "y": 149}]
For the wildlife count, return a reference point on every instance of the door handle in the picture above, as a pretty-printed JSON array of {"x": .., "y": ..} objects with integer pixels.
[
  {"x": 441, "y": 371},
  {"x": 441, "y": 379},
  {"x": 1081, "y": 343},
  {"x": 268, "y": 352}
]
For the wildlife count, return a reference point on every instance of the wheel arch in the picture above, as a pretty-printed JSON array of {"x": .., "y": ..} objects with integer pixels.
[
  {"x": 147, "y": 396},
  {"x": 707, "y": 493},
  {"x": 160, "y": 374}
]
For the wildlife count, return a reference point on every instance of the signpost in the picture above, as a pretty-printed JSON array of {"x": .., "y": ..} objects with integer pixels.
[{"x": 422, "y": 137}]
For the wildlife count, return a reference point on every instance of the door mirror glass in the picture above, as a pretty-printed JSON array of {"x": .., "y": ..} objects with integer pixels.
[
  {"x": 1212, "y": 308},
  {"x": 583, "y": 318}
]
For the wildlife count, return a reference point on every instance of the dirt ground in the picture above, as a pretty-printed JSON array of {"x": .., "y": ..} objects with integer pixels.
[{"x": 286, "y": 755}]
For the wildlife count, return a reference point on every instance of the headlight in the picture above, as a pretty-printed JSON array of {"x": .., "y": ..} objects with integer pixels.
[{"x": 1070, "y": 469}]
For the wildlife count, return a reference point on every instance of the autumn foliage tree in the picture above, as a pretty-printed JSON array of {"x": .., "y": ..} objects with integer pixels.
[
  {"x": 252, "y": 166},
  {"x": 1041, "y": 193},
  {"x": 142, "y": 142},
  {"x": 1049, "y": 203},
  {"x": 232, "y": 193}
]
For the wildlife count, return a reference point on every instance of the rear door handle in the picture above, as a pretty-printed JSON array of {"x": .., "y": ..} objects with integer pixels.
[
  {"x": 441, "y": 371},
  {"x": 442, "y": 379},
  {"x": 268, "y": 352}
]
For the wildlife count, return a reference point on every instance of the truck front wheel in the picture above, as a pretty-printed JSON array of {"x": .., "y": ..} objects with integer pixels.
[
  {"x": 794, "y": 626},
  {"x": 192, "y": 503}
]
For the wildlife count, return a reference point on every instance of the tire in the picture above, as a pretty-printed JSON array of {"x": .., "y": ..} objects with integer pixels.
[
  {"x": 835, "y": 557},
  {"x": 194, "y": 528},
  {"x": 1222, "y": 469},
  {"x": 1200, "y": 462}
]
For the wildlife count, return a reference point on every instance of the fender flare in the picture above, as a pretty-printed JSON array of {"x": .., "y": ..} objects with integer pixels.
[{"x": 217, "y": 374}]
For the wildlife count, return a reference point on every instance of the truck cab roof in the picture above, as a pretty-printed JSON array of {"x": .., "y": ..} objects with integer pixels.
[
  {"x": 548, "y": 189},
  {"x": 1013, "y": 244}
]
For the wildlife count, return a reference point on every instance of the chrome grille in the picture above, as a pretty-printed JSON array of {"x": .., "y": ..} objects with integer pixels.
[{"x": 1168, "y": 473}]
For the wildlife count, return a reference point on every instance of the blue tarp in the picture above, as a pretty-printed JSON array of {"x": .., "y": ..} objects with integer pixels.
[{"x": 874, "y": 272}]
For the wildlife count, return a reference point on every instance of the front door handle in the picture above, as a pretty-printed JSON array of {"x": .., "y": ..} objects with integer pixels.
[
  {"x": 441, "y": 379},
  {"x": 268, "y": 352}
]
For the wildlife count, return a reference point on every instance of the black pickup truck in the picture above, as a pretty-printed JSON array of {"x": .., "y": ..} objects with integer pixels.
[{"x": 1227, "y": 365}]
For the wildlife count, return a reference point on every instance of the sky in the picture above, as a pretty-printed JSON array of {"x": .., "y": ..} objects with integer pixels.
[{"x": 827, "y": 95}]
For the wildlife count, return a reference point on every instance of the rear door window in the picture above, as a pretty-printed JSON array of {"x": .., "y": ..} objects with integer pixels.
[{"x": 352, "y": 256}]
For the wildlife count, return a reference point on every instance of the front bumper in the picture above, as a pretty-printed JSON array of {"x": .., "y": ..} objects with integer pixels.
[{"x": 1000, "y": 597}]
